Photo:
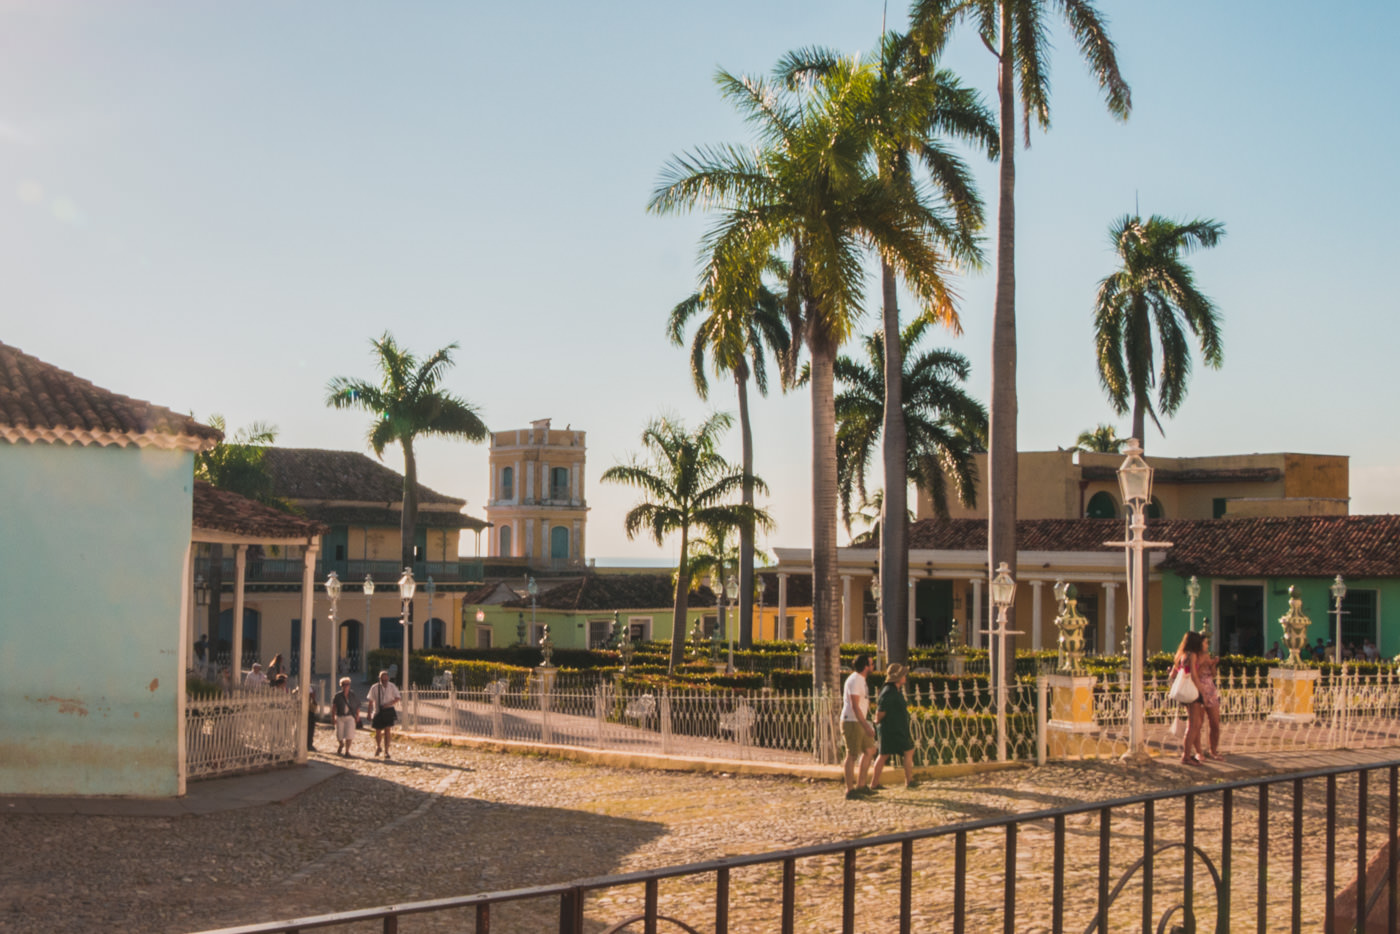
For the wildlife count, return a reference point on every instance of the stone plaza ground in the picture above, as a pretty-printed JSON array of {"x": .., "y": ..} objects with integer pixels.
[{"x": 440, "y": 821}]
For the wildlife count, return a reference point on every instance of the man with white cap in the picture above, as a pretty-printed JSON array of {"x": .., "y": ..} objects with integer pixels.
[
  {"x": 256, "y": 679},
  {"x": 345, "y": 710}
]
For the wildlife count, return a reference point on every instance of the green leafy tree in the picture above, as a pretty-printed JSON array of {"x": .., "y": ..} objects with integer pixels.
[
  {"x": 740, "y": 322},
  {"x": 915, "y": 109},
  {"x": 1101, "y": 440},
  {"x": 686, "y": 484},
  {"x": 1154, "y": 289},
  {"x": 407, "y": 402},
  {"x": 940, "y": 418},
  {"x": 811, "y": 192},
  {"x": 1017, "y": 33},
  {"x": 870, "y": 514},
  {"x": 236, "y": 465}
]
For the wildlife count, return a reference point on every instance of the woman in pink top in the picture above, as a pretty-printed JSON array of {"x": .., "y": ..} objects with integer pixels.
[{"x": 1188, "y": 659}]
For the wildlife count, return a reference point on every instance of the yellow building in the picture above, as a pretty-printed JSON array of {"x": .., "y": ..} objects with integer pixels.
[
  {"x": 537, "y": 503},
  {"x": 1073, "y": 485}
]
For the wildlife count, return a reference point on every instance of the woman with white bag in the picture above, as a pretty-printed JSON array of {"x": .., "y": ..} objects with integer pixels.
[{"x": 1186, "y": 690}]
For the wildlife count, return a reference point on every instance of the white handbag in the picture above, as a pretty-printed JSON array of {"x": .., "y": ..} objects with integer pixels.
[{"x": 1183, "y": 689}]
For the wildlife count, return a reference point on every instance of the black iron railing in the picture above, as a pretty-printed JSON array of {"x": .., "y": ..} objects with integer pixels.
[{"x": 1241, "y": 896}]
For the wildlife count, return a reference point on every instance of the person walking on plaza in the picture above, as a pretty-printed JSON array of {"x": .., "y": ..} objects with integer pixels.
[
  {"x": 1188, "y": 659},
  {"x": 345, "y": 712},
  {"x": 892, "y": 726},
  {"x": 855, "y": 726},
  {"x": 383, "y": 701},
  {"x": 1210, "y": 701},
  {"x": 256, "y": 679}
]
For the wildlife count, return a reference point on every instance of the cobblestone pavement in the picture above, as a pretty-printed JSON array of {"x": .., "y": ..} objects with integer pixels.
[{"x": 440, "y": 821}]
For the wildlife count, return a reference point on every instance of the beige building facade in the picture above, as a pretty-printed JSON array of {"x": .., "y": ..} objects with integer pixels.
[
  {"x": 1081, "y": 484},
  {"x": 537, "y": 506}
]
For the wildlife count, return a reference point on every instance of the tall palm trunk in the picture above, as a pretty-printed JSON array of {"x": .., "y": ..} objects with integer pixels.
[
  {"x": 826, "y": 624},
  {"x": 678, "y": 612},
  {"x": 746, "y": 530},
  {"x": 408, "y": 523},
  {"x": 1140, "y": 421},
  {"x": 1001, "y": 457},
  {"x": 894, "y": 538}
]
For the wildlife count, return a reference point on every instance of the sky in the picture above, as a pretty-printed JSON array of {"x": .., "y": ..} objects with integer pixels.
[{"x": 215, "y": 206}]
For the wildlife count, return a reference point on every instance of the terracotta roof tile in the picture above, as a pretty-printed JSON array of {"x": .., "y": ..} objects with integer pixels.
[
  {"x": 380, "y": 516},
  {"x": 1277, "y": 546},
  {"x": 41, "y": 403},
  {"x": 311, "y": 473},
  {"x": 221, "y": 511}
]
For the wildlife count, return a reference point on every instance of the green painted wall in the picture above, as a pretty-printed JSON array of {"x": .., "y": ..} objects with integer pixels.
[
  {"x": 92, "y": 550},
  {"x": 1317, "y": 606},
  {"x": 566, "y": 629}
]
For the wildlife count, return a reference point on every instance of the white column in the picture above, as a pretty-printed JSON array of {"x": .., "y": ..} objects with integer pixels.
[
  {"x": 546, "y": 482},
  {"x": 308, "y": 609},
  {"x": 546, "y": 546},
  {"x": 574, "y": 492},
  {"x": 530, "y": 482},
  {"x": 240, "y": 576},
  {"x": 184, "y": 648},
  {"x": 782, "y": 606},
  {"x": 912, "y": 591},
  {"x": 516, "y": 542},
  {"x": 516, "y": 484},
  {"x": 975, "y": 624},
  {"x": 495, "y": 472},
  {"x": 1035, "y": 614},
  {"x": 846, "y": 608},
  {"x": 1110, "y": 615},
  {"x": 578, "y": 540},
  {"x": 529, "y": 551}
]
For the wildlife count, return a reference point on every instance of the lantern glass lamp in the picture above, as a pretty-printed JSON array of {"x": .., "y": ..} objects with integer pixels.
[
  {"x": 1193, "y": 588},
  {"x": 407, "y": 585},
  {"x": 333, "y": 586},
  {"x": 532, "y": 588},
  {"x": 1003, "y": 587},
  {"x": 761, "y": 586},
  {"x": 731, "y": 590},
  {"x": 1339, "y": 589},
  {"x": 369, "y": 586},
  {"x": 1135, "y": 477},
  {"x": 430, "y": 586}
]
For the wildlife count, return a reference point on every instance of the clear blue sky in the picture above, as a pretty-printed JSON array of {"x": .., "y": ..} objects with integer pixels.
[{"x": 214, "y": 206}]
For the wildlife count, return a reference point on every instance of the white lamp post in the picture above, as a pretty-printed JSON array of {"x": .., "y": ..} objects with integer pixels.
[
  {"x": 1135, "y": 482},
  {"x": 759, "y": 625},
  {"x": 1003, "y": 595},
  {"x": 533, "y": 589},
  {"x": 731, "y": 590},
  {"x": 364, "y": 641},
  {"x": 333, "y": 592},
  {"x": 1193, "y": 593},
  {"x": 407, "y": 587},
  {"x": 1339, "y": 593}
]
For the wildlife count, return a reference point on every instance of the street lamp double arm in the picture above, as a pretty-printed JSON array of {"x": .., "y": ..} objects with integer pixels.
[{"x": 407, "y": 588}]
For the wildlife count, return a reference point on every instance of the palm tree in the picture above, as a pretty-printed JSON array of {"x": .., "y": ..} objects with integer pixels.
[
  {"x": 1101, "y": 440},
  {"x": 740, "y": 320},
  {"x": 1017, "y": 33},
  {"x": 810, "y": 191},
  {"x": 940, "y": 418},
  {"x": 689, "y": 485},
  {"x": 407, "y": 402},
  {"x": 1154, "y": 287},
  {"x": 914, "y": 106},
  {"x": 870, "y": 514},
  {"x": 234, "y": 464}
]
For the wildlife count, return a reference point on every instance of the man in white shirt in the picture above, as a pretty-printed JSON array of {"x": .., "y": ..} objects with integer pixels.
[
  {"x": 256, "y": 679},
  {"x": 383, "y": 701},
  {"x": 857, "y": 729}
]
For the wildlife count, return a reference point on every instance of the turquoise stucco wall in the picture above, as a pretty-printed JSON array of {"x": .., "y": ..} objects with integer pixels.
[
  {"x": 1317, "y": 606},
  {"x": 566, "y": 629},
  {"x": 92, "y": 548}
]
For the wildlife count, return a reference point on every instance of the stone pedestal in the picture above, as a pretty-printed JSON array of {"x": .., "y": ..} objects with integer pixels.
[
  {"x": 1293, "y": 694},
  {"x": 543, "y": 683},
  {"x": 1071, "y": 731}
]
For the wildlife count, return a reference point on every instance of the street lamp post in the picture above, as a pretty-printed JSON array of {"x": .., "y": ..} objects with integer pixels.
[
  {"x": 731, "y": 590},
  {"x": 1193, "y": 593},
  {"x": 1003, "y": 595},
  {"x": 1135, "y": 482},
  {"x": 333, "y": 592},
  {"x": 533, "y": 589},
  {"x": 1339, "y": 592},
  {"x": 759, "y": 625},
  {"x": 407, "y": 586},
  {"x": 364, "y": 640}
]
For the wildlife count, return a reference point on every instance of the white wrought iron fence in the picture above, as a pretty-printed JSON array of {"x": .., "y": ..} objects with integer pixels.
[{"x": 238, "y": 733}]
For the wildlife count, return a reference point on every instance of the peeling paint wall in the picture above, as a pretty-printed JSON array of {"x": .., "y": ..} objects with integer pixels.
[{"x": 92, "y": 544}]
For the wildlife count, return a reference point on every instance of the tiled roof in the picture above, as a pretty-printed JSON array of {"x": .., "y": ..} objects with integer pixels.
[
  {"x": 1289, "y": 546},
  {"x": 1275, "y": 546},
  {"x": 490, "y": 593},
  {"x": 380, "y": 516},
  {"x": 41, "y": 403},
  {"x": 614, "y": 592},
  {"x": 218, "y": 510},
  {"x": 1193, "y": 474},
  {"x": 348, "y": 476}
]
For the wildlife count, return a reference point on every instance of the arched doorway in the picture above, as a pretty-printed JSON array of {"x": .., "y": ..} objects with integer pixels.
[
  {"x": 559, "y": 543},
  {"x": 351, "y": 639},
  {"x": 1102, "y": 505},
  {"x": 434, "y": 634}
]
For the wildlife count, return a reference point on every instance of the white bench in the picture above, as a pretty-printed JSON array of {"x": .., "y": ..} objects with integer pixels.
[
  {"x": 737, "y": 721},
  {"x": 640, "y": 708}
]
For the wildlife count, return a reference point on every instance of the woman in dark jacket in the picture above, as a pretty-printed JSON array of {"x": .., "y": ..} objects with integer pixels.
[{"x": 892, "y": 726}]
